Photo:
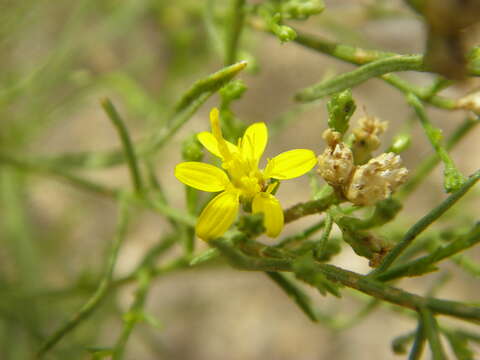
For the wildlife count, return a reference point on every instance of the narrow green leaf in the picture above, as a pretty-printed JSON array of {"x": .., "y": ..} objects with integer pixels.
[{"x": 292, "y": 290}]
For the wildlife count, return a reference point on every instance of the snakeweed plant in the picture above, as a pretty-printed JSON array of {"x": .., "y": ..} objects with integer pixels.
[{"x": 359, "y": 182}]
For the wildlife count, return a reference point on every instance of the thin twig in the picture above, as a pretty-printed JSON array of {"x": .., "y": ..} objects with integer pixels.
[
  {"x": 418, "y": 343},
  {"x": 234, "y": 30},
  {"x": 424, "y": 222},
  {"x": 130, "y": 154},
  {"x": 432, "y": 334},
  {"x": 94, "y": 301},
  {"x": 353, "y": 280}
]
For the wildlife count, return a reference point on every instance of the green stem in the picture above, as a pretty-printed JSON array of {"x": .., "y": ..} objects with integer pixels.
[
  {"x": 207, "y": 255},
  {"x": 458, "y": 344},
  {"x": 176, "y": 264},
  {"x": 159, "y": 191},
  {"x": 432, "y": 334},
  {"x": 424, "y": 264},
  {"x": 94, "y": 301},
  {"x": 367, "y": 309},
  {"x": 360, "y": 56},
  {"x": 467, "y": 264},
  {"x": 209, "y": 85},
  {"x": 322, "y": 243},
  {"x": 211, "y": 28},
  {"x": 425, "y": 95},
  {"x": 155, "y": 252},
  {"x": 130, "y": 155},
  {"x": 398, "y": 296},
  {"x": 424, "y": 222},
  {"x": 351, "y": 54},
  {"x": 188, "y": 104},
  {"x": 353, "y": 280},
  {"x": 361, "y": 74},
  {"x": 429, "y": 164},
  {"x": 189, "y": 231},
  {"x": 152, "y": 204},
  {"x": 293, "y": 291},
  {"x": 144, "y": 274},
  {"x": 234, "y": 30},
  {"x": 452, "y": 177},
  {"x": 418, "y": 343},
  {"x": 310, "y": 207},
  {"x": 134, "y": 314},
  {"x": 170, "y": 212},
  {"x": 305, "y": 234},
  {"x": 33, "y": 166}
]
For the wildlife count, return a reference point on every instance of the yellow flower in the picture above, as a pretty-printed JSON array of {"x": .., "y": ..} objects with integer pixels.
[{"x": 241, "y": 180}]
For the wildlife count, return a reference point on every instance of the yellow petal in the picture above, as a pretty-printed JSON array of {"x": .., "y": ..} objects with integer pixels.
[
  {"x": 211, "y": 144},
  {"x": 254, "y": 141},
  {"x": 291, "y": 164},
  {"x": 217, "y": 216},
  {"x": 201, "y": 176},
  {"x": 217, "y": 133},
  {"x": 272, "y": 212}
]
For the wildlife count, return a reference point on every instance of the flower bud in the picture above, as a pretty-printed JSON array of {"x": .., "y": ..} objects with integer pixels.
[
  {"x": 400, "y": 143},
  {"x": 191, "y": 149}
]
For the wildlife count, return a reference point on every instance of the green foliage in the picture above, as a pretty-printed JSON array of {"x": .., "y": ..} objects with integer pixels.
[
  {"x": 302, "y": 9},
  {"x": 340, "y": 109},
  {"x": 191, "y": 149}
]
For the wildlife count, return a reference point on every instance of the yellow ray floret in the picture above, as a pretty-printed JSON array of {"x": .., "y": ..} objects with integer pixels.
[
  {"x": 202, "y": 176},
  {"x": 218, "y": 215},
  {"x": 241, "y": 180},
  {"x": 272, "y": 212},
  {"x": 290, "y": 164}
]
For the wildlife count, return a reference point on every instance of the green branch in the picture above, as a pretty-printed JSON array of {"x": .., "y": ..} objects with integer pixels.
[
  {"x": 361, "y": 74},
  {"x": 432, "y": 334},
  {"x": 429, "y": 164},
  {"x": 188, "y": 104},
  {"x": 144, "y": 274},
  {"x": 82, "y": 183},
  {"x": 424, "y": 222},
  {"x": 155, "y": 204},
  {"x": 126, "y": 142},
  {"x": 322, "y": 243},
  {"x": 209, "y": 85},
  {"x": 292, "y": 290},
  {"x": 302, "y": 235},
  {"x": 426, "y": 263},
  {"x": 234, "y": 30},
  {"x": 94, "y": 301},
  {"x": 418, "y": 343},
  {"x": 310, "y": 207},
  {"x": 360, "y": 56},
  {"x": 353, "y": 280},
  {"x": 453, "y": 179},
  {"x": 134, "y": 313}
]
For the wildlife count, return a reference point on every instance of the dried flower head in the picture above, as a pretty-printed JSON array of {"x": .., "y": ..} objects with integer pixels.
[
  {"x": 376, "y": 180},
  {"x": 332, "y": 137},
  {"x": 470, "y": 102},
  {"x": 361, "y": 184},
  {"x": 335, "y": 165},
  {"x": 368, "y": 131}
]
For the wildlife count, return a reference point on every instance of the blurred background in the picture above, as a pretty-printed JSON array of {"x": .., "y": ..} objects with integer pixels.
[{"x": 60, "y": 57}]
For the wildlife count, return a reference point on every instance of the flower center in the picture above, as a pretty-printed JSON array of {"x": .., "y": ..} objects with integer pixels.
[{"x": 243, "y": 176}]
